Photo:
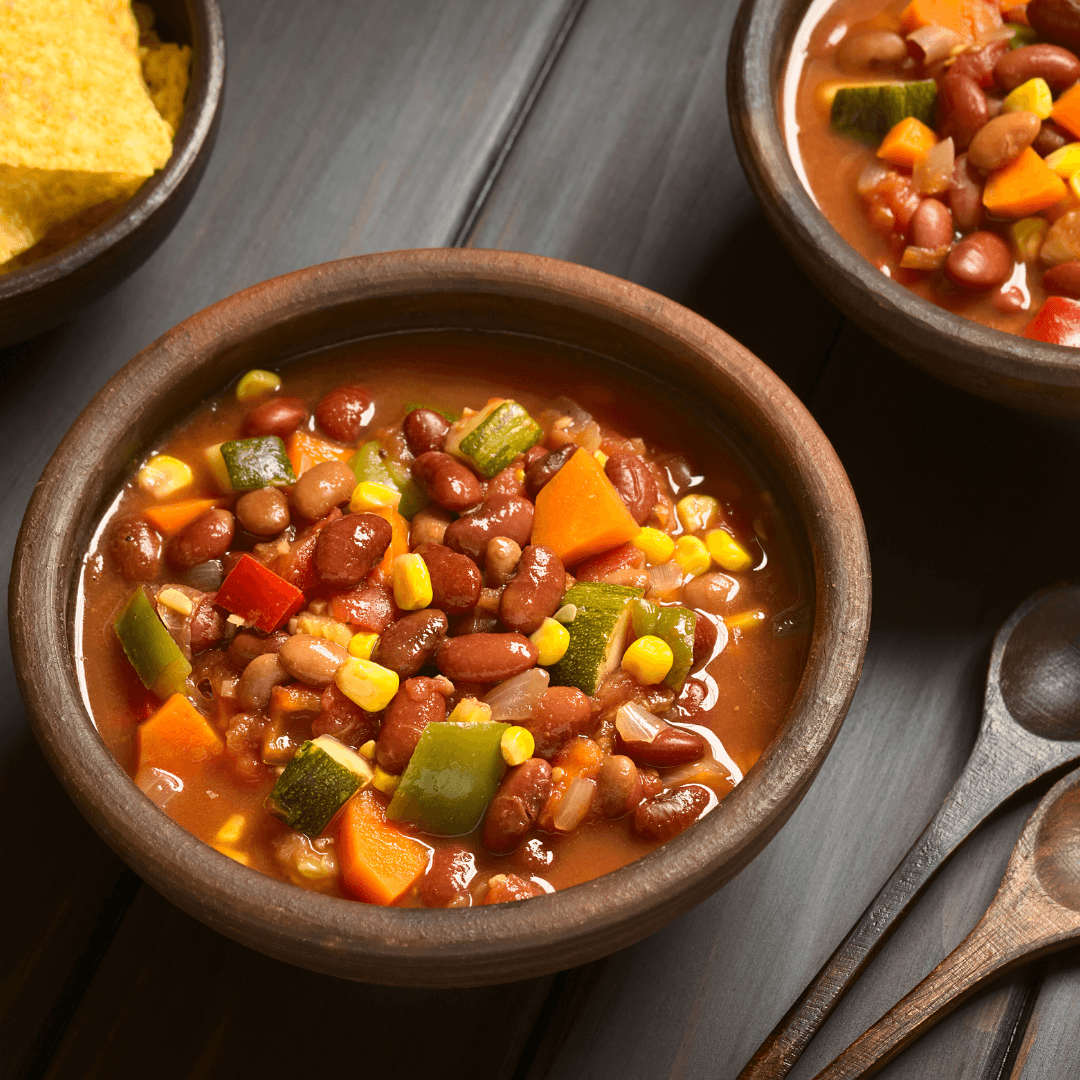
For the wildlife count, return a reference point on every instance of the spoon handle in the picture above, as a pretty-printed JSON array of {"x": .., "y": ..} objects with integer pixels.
[{"x": 987, "y": 780}]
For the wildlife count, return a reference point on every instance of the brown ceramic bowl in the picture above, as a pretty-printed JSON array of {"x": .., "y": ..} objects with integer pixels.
[
  {"x": 1003, "y": 367},
  {"x": 52, "y": 290},
  {"x": 376, "y": 294}
]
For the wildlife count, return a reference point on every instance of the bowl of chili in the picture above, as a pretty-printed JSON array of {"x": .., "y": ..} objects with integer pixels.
[{"x": 620, "y": 332}]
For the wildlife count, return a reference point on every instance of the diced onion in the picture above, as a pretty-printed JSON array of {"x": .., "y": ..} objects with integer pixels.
[
  {"x": 665, "y": 578},
  {"x": 574, "y": 805},
  {"x": 932, "y": 43},
  {"x": 578, "y": 416},
  {"x": 871, "y": 177},
  {"x": 516, "y": 698},
  {"x": 206, "y": 577},
  {"x": 917, "y": 258},
  {"x": 158, "y": 785},
  {"x": 933, "y": 174},
  {"x": 636, "y": 724},
  {"x": 566, "y": 614}
]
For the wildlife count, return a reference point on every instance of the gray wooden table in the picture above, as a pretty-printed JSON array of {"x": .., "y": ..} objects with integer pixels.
[{"x": 595, "y": 131}]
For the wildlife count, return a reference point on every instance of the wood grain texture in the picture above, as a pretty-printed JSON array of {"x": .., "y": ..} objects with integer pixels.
[{"x": 1051, "y": 1034}]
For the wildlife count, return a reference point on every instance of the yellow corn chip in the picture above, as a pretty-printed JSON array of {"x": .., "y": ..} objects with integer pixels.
[
  {"x": 120, "y": 16},
  {"x": 165, "y": 72}
]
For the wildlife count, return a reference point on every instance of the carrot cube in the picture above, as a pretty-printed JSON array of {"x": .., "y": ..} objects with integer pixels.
[
  {"x": 305, "y": 450},
  {"x": 177, "y": 732},
  {"x": 170, "y": 518},
  {"x": 379, "y": 863},
  {"x": 1025, "y": 186},
  {"x": 906, "y": 143}
]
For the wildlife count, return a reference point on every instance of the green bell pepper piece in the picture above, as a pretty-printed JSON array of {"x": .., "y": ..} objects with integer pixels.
[
  {"x": 369, "y": 464},
  {"x": 451, "y": 777},
  {"x": 154, "y": 655},
  {"x": 674, "y": 625},
  {"x": 256, "y": 463},
  {"x": 1022, "y": 35}
]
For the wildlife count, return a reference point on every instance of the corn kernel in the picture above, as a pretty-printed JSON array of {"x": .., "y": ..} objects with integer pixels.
[
  {"x": 236, "y": 856},
  {"x": 552, "y": 639},
  {"x": 163, "y": 476},
  {"x": 1066, "y": 161},
  {"x": 385, "y": 782},
  {"x": 1027, "y": 236},
  {"x": 232, "y": 830},
  {"x": 470, "y": 711},
  {"x": 656, "y": 546},
  {"x": 745, "y": 620},
  {"x": 176, "y": 601},
  {"x": 1032, "y": 96},
  {"x": 255, "y": 383},
  {"x": 601, "y": 457},
  {"x": 517, "y": 745},
  {"x": 412, "y": 582},
  {"x": 368, "y": 495},
  {"x": 698, "y": 512},
  {"x": 368, "y": 750},
  {"x": 519, "y": 475},
  {"x": 367, "y": 684},
  {"x": 727, "y": 552},
  {"x": 692, "y": 555},
  {"x": 216, "y": 463},
  {"x": 1072, "y": 200},
  {"x": 322, "y": 626},
  {"x": 363, "y": 645},
  {"x": 648, "y": 659}
]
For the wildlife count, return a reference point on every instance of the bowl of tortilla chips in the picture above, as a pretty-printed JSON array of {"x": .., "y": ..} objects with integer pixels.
[{"x": 108, "y": 113}]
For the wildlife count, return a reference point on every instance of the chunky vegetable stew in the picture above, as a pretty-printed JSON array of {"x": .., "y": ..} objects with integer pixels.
[
  {"x": 439, "y": 621},
  {"x": 942, "y": 139}
]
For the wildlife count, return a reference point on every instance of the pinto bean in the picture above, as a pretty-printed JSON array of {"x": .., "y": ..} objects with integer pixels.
[
  {"x": 446, "y": 883},
  {"x": 501, "y": 515},
  {"x": 279, "y": 416},
  {"x": 670, "y": 813},
  {"x": 533, "y": 594},
  {"x": 446, "y": 481},
  {"x": 504, "y": 888},
  {"x": 1056, "y": 66},
  {"x": 206, "y": 625},
  {"x": 455, "y": 579},
  {"x": 417, "y": 703},
  {"x": 544, "y": 468},
  {"x": 344, "y": 719},
  {"x": 408, "y": 644},
  {"x": 322, "y": 487},
  {"x": 311, "y": 660},
  {"x": 618, "y": 787},
  {"x": 1063, "y": 279},
  {"x": 931, "y": 225},
  {"x": 259, "y": 678},
  {"x": 1057, "y": 21},
  {"x": 207, "y": 537},
  {"x": 982, "y": 260},
  {"x": 134, "y": 549},
  {"x": 673, "y": 746},
  {"x": 345, "y": 412},
  {"x": 486, "y": 658},
  {"x": 1049, "y": 139},
  {"x": 704, "y": 641},
  {"x": 516, "y": 806},
  {"x": 247, "y": 645},
  {"x": 631, "y": 478},
  {"x": 425, "y": 430},
  {"x": 264, "y": 512},
  {"x": 1002, "y": 140},
  {"x": 965, "y": 195},
  {"x": 962, "y": 109},
  {"x": 349, "y": 547},
  {"x": 560, "y": 714},
  {"x": 871, "y": 52},
  {"x": 500, "y": 560},
  {"x": 428, "y": 526}
]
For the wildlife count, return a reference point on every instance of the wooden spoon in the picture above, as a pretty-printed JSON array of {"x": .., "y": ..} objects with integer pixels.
[
  {"x": 1031, "y": 719},
  {"x": 1035, "y": 912}
]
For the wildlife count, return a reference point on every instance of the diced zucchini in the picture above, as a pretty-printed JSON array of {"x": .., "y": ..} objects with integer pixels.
[
  {"x": 867, "y": 113},
  {"x": 490, "y": 439},
  {"x": 256, "y": 463},
  {"x": 322, "y": 776},
  {"x": 371, "y": 464},
  {"x": 674, "y": 625},
  {"x": 597, "y": 634},
  {"x": 154, "y": 655}
]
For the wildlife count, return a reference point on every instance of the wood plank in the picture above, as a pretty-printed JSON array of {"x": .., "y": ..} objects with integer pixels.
[
  {"x": 1050, "y": 1037},
  {"x": 347, "y": 128}
]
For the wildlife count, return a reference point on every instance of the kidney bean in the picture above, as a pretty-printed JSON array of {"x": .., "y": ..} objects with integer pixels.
[
  {"x": 247, "y": 645},
  {"x": 624, "y": 565},
  {"x": 669, "y": 814},
  {"x": 931, "y": 225},
  {"x": 258, "y": 679},
  {"x": 618, "y": 787},
  {"x": 534, "y": 593},
  {"x": 1057, "y": 21},
  {"x": 965, "y": 195},
  {"x": 264, "y": 512},
  {"x": 962, "y": 109},
  {"x": 475, "y": 622},
  {"x": 982, "y": 260},
  {"x": 1003, "y": 139},
  {"x": 516, "y": 806},
  {"x": 1049, "y": 139},
  {"x": 446, "y": 883},
  {"x": 207, "y": 537},
  {"x": 504, "y": 888},
  {"x": 446, "y": 481},
  {"x": 417, "y": 703},
  {"x": 279, "y": 416},
  {"x": 871, "y": 52},
  {"x": 370, "y": 608},
  {"x": 408, "y": 644},
  {"x": 704, "y": 641},
  {"x": 206, "y": 625},
  {"x": 544, "y": 468},
  {"x": 311, "y": 660},
  {"x": 501, "y": 515},
  {"x": 428, "y": 526},
  {"x": 349, "y": 547},
  {"x": 560, "y": 714},
  {"x": 1058, "y": 67},
  {"x": 533, "y": 857},
  {"x": 425, "y": 430},
  {"x": 455, "y": 579},
  {"x": 506, "y": 482},
  {"x": 486, "y": 658},
  {"x": 994, "y": 105},
  {"x": 673, "y": 746},
  {"x": 979, "y": 64},
  {"x": 344, "y": 719},
  {"x": 631, "y": 478},
  {"x": 322, "y": 487},
  {"x": 345, "y": 412},
  {"x": 1063, "y": 279},
  {"x": 134, "y": 549}
]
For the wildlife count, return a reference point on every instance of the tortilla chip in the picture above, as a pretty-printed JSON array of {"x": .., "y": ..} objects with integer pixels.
[
  {"x": 120, "y": 16},
  {"x": 72, "y": 96},
  {"x": 165, "y": 72}
]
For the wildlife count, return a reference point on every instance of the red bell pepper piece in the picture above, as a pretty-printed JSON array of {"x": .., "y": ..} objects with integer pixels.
[
  {"x": 1057, "y": 321},
  {"x": 258, "y": 595}
]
